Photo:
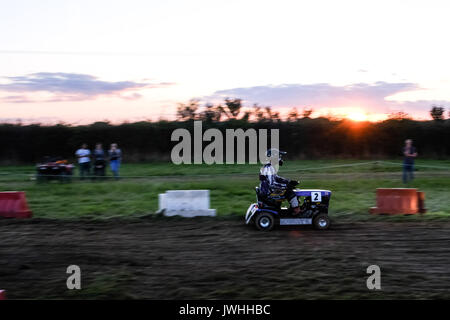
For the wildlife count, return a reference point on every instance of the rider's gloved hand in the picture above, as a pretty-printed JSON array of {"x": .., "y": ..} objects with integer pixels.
[{"x": 293, "y": 183}]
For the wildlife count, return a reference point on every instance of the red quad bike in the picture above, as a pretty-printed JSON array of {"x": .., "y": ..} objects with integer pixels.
[
  {"x": 54, "y": 168},
  {"x": 268, "y": 213}
]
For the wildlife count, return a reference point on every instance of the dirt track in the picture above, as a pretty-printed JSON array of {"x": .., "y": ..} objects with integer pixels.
[{"x": 221, "y": 258}]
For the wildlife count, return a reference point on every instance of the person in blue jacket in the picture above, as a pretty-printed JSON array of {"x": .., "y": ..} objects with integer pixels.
[
  {"x": 115, "y": 158},
  {"x": 409, "y": 153}
]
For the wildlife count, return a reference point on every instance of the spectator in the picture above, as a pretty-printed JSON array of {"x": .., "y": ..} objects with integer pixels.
[
  {"x": 99, "y": 161},
  {"x": 115, "y": 157},
  {"x": 409, "y": 151},
  {"x": 84, "y": 160}
]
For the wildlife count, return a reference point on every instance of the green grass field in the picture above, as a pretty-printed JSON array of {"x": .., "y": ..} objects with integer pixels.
[{"x": 353, "y": 183}]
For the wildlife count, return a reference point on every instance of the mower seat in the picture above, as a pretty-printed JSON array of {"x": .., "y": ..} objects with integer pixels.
[{"x": 266, "y": 202}]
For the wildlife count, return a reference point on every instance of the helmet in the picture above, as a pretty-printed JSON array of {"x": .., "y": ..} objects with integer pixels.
[{"x": 275, "y": 152}]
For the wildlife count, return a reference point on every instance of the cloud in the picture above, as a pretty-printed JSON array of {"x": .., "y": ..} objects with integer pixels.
[
  {"x": 16, "y": 99},
  {"x": 59, "y": 86},
  {"x": 375, "y": 99},
  {"x": 423, "y": 106},
  {"x": 322, "y": 95}
]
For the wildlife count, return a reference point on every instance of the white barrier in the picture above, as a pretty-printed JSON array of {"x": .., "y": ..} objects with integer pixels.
[{"x": 186, "y": 203}]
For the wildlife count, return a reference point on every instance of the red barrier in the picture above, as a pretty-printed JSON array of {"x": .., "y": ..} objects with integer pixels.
[
  {"x": 421, "y": 196},
  {"x": 399, "y": 201},
  {"x": 2, "y": 295},
  {"x": 14, "y": 205}
]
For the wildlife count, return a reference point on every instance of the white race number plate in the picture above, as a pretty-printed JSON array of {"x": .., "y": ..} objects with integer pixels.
[{"x": 316, "y": 196}]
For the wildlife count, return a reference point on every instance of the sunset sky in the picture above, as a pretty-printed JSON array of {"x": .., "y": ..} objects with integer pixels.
[{"x": 84, "y": 61}]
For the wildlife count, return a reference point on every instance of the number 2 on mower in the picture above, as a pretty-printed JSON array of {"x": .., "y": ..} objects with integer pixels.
[{"x": 316, "y": 196}]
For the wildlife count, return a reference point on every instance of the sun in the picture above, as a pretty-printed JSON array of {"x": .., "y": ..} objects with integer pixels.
[{"x": 357, "y": 116}]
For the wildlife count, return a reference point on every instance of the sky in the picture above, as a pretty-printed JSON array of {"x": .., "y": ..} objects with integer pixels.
[{"x": 84, "y": 61}]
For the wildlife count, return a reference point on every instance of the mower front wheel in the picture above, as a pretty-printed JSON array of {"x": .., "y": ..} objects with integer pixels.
[
  {"x": 321, "y": 221},
  {"x": 265, "y": 221}
]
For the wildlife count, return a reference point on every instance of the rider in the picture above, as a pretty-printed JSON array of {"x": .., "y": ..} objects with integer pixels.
[{"x": 273, "y": 183}]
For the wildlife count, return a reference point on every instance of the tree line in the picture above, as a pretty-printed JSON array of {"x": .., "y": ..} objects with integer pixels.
[{"x": 300, "y": 135}]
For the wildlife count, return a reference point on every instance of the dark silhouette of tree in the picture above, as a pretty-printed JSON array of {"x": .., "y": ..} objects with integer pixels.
[
  {"x": 187, "y": 111},
  {"x": 210, "y": 113},
  {"x": 305, "y": 137},
  {"x": 258, "y": 113},
  {"x": 307, "y": 112},
  {"x": 275, "y": 116},
  {"x": 151, "y": 141},
  {"x": 399, "y": 115},
  {"x": 437, "y": 113},
  {"x": 293, "y": 115},
  {"x": 232, "y": 108},
  {"x": 270, "y": 115},
  {"x": 246, "y": 116}
]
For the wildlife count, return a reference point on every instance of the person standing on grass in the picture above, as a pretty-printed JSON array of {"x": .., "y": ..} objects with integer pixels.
[
  {"x": 84, "y": 160},
  {"x": 115, "y": 157},
  {"x": 99, "y": 161},
  {"x": 410, "y": 153}
]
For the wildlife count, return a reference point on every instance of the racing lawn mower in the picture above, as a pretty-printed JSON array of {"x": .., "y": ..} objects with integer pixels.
[{"x": 267, "y": 212}]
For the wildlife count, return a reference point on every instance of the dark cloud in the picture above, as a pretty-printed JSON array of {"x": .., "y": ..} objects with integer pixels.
[{"x": 69, "y": 87}]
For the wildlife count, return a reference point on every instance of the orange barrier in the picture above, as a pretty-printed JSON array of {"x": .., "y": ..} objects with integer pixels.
[
  {"x": 2, "y": 295},
  {"x": 13, "y": 204},
  {"x": 421, "y": 196},
  {"x": 399, "y": 201}
]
